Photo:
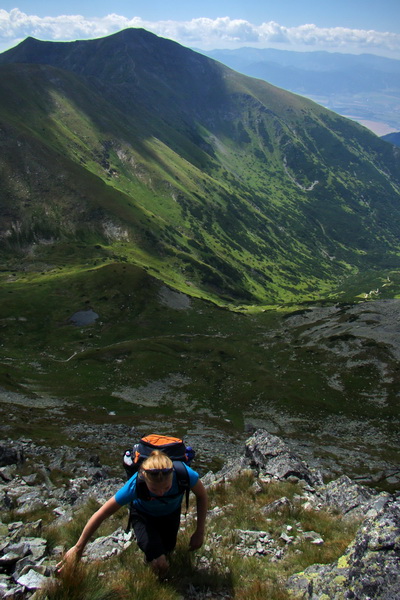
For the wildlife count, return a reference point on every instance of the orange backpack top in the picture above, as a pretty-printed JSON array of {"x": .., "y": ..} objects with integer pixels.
[{"x": 173, "y": 447}]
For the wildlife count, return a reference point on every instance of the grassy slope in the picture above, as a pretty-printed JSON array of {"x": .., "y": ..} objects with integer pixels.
[{"x": 162, "y": 360}]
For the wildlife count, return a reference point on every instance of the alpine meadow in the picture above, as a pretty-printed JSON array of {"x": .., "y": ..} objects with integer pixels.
[{"x": 188, "y": 248}]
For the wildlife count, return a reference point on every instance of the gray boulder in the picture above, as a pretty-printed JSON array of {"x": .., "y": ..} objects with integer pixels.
[
  {"x": 7, "y": 473},
  {"x": 350, "y": 498},
  {"x": 10, "y": 455},
  {"x": 278, "y": 506},
  {"x": 228, "y": 472},
  {"x": 32, "y": 580},
  {"x": 107, "y": 546},
  {"x": 270, "y": 455}
]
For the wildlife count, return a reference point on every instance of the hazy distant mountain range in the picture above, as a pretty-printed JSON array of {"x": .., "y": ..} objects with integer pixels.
[
  {"x": 134, "y": 149},
  {"x": 363, "y": 86},
  {"x": 393, "y": 138}
]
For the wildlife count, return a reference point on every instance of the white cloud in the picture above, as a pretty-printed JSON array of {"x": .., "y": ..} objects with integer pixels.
[{"x": 204, "y": 33}]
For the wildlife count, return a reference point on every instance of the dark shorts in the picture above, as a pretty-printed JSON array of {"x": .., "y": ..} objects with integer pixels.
[{"x": 155, "y": 535}]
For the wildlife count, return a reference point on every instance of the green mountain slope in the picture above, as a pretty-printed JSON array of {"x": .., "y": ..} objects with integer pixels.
[{"x": 134, "y": 149}]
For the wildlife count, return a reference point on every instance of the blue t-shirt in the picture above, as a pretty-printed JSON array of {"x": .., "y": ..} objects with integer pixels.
[{"x": 155, "y": 507}]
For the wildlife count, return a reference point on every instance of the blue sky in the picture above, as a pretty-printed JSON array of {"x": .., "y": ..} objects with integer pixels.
[{"x": 335, "y": 25}]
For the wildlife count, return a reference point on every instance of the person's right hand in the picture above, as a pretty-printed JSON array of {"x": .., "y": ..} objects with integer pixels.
[{"x": 72, "y": 556}]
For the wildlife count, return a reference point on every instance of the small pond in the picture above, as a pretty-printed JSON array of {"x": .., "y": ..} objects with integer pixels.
[{"x": 84, "y": 317}]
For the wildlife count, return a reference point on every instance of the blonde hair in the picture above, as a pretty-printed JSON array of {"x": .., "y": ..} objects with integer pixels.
[{"x": 156, "y": 460}]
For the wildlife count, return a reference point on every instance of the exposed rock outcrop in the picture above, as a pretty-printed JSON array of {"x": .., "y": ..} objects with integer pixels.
[
  {"x": 350, "y": 498},
  {"x": 270, "y": 455},
  {"x": 369, "y": 569}
]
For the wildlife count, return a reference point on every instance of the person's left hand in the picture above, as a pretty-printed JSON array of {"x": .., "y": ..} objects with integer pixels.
[{"x": 196, "y": 541}]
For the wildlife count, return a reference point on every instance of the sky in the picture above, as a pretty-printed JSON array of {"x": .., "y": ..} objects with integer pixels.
[{"x": 354, "y": 26}]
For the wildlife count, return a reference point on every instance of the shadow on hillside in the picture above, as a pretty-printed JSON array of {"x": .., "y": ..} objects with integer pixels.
[
  {"x": 196, "y": 575},
  {"x": 203, "y": 582}
]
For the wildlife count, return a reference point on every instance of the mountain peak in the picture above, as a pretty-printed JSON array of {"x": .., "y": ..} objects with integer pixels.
[{"x": 222, "y": 184}]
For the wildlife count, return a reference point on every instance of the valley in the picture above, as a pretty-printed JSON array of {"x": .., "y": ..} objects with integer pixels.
[
  {"x": 325, "y": 377},
  {"x": 193, "y": 250}
]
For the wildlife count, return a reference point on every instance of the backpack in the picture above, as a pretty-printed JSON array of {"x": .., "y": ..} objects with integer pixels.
[{"x": 173, "y": 447}]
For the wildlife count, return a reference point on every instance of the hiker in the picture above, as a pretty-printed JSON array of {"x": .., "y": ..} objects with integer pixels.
[{"x": 156, "y": 519}]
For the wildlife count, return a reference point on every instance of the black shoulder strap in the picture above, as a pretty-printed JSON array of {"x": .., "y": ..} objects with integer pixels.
[
  {"x": 142, "y": 491},
  {"x": 183, "y": 480}
]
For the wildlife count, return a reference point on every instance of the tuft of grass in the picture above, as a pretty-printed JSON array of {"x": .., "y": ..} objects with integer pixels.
[
  {"x": 336, "y": 532},
  {"x": 82, "y": 582},
  {"x": 133, "y": 577},
  {"x": 254, "y": 584}
]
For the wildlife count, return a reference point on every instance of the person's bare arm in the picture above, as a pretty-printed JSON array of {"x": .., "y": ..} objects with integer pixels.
[
  {"x": 74, "y": 554},
  {"x": 197, "y": 539}
]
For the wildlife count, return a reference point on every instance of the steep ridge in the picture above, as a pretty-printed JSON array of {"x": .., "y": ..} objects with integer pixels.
[{"x": 133, "y": 148}]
